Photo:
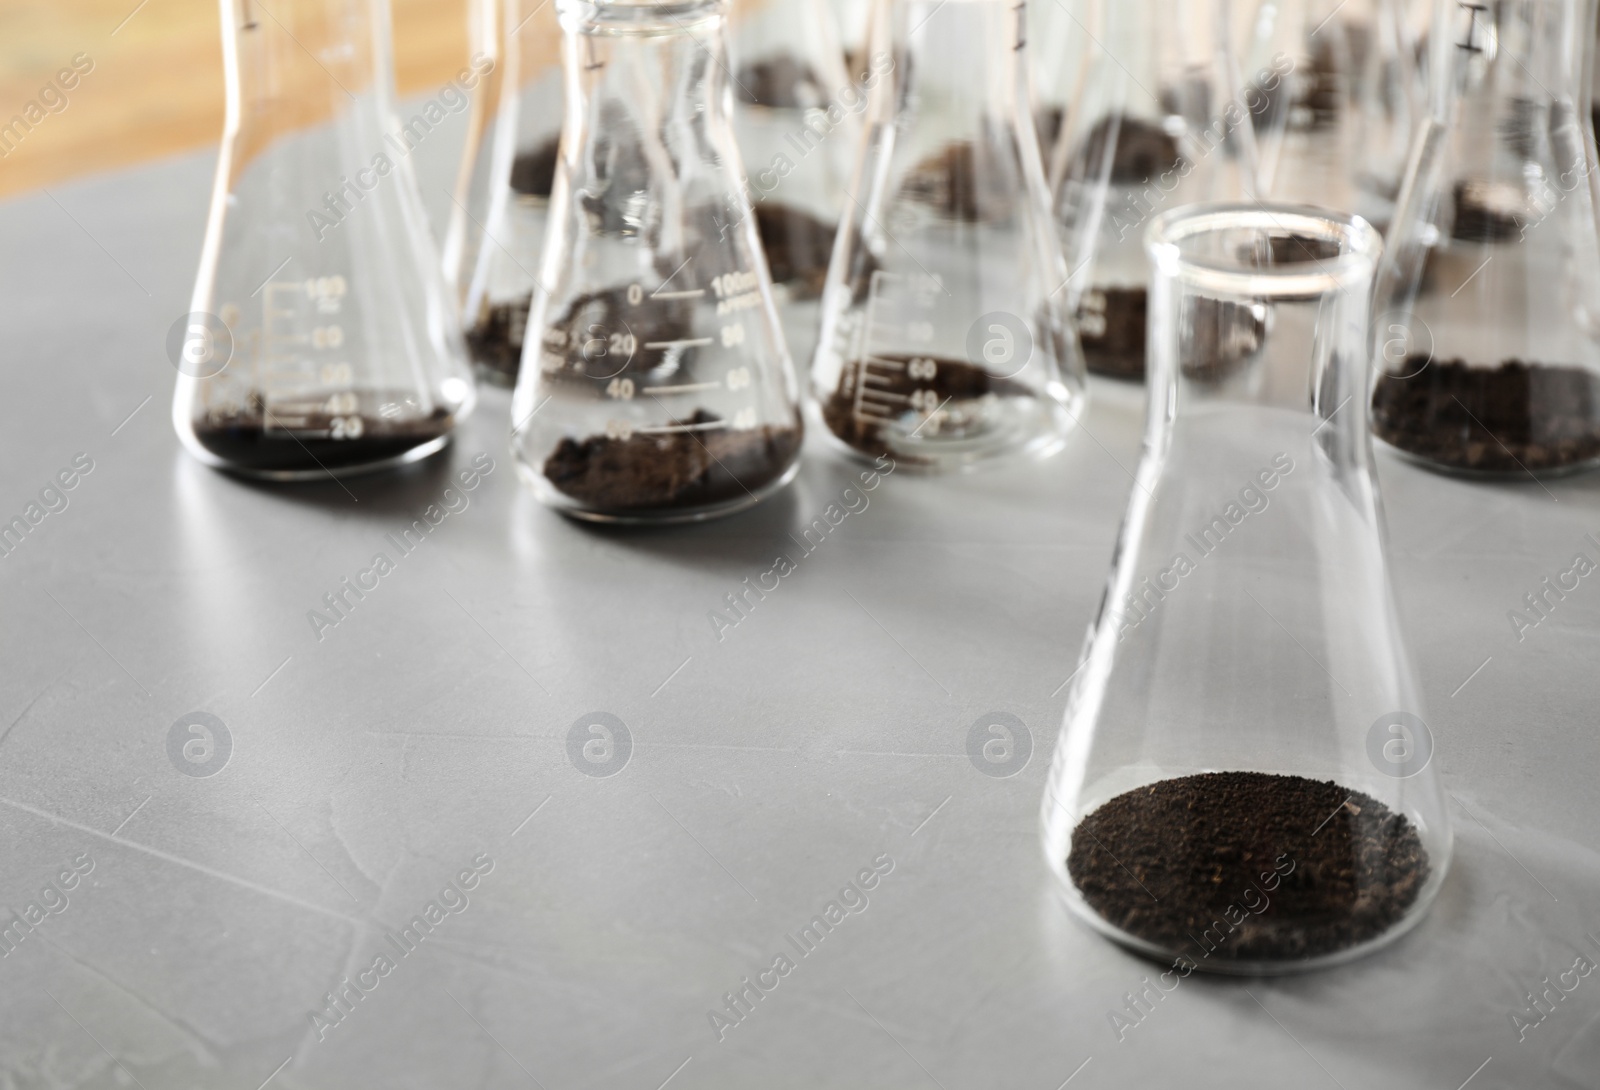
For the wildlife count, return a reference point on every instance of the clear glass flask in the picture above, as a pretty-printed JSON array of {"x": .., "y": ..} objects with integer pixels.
[
  {"x": 1489, "y": 359},
  {"x": 1161, "y": 123},
  {"x": 1244, "y": 776},
  {"x": 655, "y": 384},
  {"x": 945, "y": 339},
  {"x": 797, "y": 117},
  {"x": 1336, "y": 131},
  {"x": 321, "y": 338},
  {"x": 471, "y": 194},
  {"x": 518, "y": 173}
]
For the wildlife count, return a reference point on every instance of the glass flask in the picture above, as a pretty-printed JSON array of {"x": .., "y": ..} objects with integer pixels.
[
  {"x": 1160, "y": 124},
  {"x": 1244, "y": 778},
  {"x": 797, "y": 117},
  {"x": 517, "y": 174},
  {"x": 655, "y": 384},
  {"x": 321, "y": 338},
  {"x": 1489, "y": 355},
  {"x": 469, "y": 199},
  {"x": 1336, "y": 129},
  {"x": 945, "y": 338}
]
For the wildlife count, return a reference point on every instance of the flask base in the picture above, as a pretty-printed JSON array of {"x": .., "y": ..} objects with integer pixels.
[
  {"x": 1248, "y": 872},
  {"x": 1505, "y": 420},
  {"x": 250, "y": 449},
  {"x": 675, "y": 475},
  {"x": 998, "y": 420}
]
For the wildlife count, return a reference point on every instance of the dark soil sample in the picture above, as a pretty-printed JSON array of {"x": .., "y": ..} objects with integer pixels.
[
  {"x": 496, "y": 340},
  {"x": 891, "y": 388},
  {"x": 1141, "y": 151},
  {"x": 1312, "y": 93},
  {"x": 533, "y": 173},
  {"x": 1488, "y": 211},
  {"x": 673, "y": 471},
  {"x": 1111, "y": 328},
  {"x": 294, "y": 439},
  {"x": 1112, "y": 325},
  {"x": 603, "y": 333},
  {"x": 1294, "y": 250},
  {"x": 798, "y": 247},
  {"x": 954, "y": 184},
  {"x": 780, "y": 83},
  {"x": 1495, "y": 419},
  {"x": 1246, "y": 866},
  {"x": 1047, "y": 123}
]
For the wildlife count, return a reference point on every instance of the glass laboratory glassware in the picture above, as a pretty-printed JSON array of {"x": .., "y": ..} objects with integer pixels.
[
  {"x": 470, "y": 197},
  {"x": 1336, "y": 130},
  {"x": 321, "y": 338},
  {"x": 1489, "y": 355},
  {"x": 797, "y": 117},
  {"x": 655, "y": 384},
  {"x": 1161, "y": 123},
  {"x": 519, "y": 173},
  {"x": 945, "y": 340},
  {"x": 1243, "y": 776}
]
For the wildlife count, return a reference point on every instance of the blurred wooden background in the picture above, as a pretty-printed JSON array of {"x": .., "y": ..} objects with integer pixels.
[{"x": 156, "y": 86}]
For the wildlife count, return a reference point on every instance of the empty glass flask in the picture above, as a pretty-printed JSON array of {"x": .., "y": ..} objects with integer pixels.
[
  {"x": 1160, "y": 123},
  {"x": 655, "y": 383},
  {"x": 1244, "y": 779},
  {"x": 321, "y": 338},
  {"x": 945, "y": 338},
  {"x": 516, "y": 172},
  {"x": 1489, "y": 353}
]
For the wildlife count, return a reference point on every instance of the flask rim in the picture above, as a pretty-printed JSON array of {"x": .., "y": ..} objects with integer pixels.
[
  {"x": 1359, "y": 246},
  {"x": 660, "y": 16}
]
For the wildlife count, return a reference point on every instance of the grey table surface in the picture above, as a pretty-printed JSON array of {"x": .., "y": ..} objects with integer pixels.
[{"x": 427, "y": 733}]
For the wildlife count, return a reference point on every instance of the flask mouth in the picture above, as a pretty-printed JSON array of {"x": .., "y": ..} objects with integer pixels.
[
  {"x": 1264, "y": 250},
  {"x": 639, "y": 16}
]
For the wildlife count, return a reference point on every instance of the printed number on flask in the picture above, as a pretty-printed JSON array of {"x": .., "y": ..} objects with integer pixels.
[
  {"x": 346, "y": 427},
  {"x": 620, "y": 389}
]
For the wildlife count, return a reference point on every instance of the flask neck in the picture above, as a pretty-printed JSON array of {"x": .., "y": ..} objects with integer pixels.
[
  {"x": 1263, "y": 306},
  {"x": 659, "y": 66},
  {"x": 301, "y": 62},
  {"x": 965, "y": 63}
]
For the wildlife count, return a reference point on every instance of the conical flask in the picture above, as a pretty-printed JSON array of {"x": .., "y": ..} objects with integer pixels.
[
  {"x": 321, "y": 338},
  {"x": 1336, "y": 130},
  {"x": 945, "y": 339},
  {"x": 518, "y": 173},
  {"x": 655, "y": 383},
  {"x": 1243, "y": 781},
  {"x": 1490, "y": 350},
  {"x": 797, "y": 117},
  {"x": 1161, "y": 123}
]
